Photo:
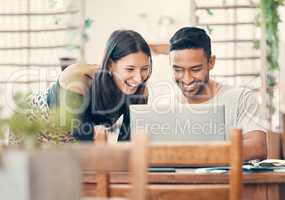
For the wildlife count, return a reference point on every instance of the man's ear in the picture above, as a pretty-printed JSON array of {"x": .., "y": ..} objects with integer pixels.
[{"x": 212, "y": 61}]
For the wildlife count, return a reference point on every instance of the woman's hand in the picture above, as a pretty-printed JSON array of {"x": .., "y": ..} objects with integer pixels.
[{"x": 78, "y": 77}]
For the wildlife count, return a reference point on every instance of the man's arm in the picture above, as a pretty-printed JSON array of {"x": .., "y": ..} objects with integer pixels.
[
  {"x": 254, "y": 145},
  {"x": 254, "y": 126}
]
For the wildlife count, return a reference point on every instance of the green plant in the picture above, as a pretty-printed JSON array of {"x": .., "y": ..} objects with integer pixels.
[
  {"x": 87, "y": 25},
  {"x": 27, "y": 123},
  {"x": 3, "y": 124},
  {"x": 209, "y": 12},
  {"x": 20, "y": 124},
  {"x": 270, "y": 17},
  {"x": 269, "y": 20}
]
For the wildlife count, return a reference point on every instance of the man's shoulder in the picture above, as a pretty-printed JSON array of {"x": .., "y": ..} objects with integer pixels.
[
  {"x": 236, "y": 91},
  {"x": 232, "y": 95}
]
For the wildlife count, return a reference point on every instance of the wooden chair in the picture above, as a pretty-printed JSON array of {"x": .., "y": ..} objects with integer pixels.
[
  {"x": 104, "y": 158},
  {"x": 274, "y": 145},
  {"x": 223, "y": 153}
]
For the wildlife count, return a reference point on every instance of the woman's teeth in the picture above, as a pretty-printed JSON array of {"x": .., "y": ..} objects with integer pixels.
[{"x": 132, "y": 84}]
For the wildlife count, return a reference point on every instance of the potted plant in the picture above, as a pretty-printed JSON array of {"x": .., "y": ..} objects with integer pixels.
[{"x": 30, "y": 168}]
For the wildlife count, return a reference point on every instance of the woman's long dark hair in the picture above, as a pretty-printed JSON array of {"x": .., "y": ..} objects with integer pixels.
[{"x": 108, "y": 101}]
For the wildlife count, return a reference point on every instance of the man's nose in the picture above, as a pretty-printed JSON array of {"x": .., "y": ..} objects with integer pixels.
[{"x": 187, "y": 77}]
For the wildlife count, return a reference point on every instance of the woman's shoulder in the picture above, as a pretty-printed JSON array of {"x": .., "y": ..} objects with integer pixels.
[{"x": 78, "y": 77}]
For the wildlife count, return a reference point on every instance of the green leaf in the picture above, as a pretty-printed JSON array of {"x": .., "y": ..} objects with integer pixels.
[
  {"x": 88, "y": 23},
  {"x": 256, "y": 44},
  {"x": 271, "y": 19},
  {"x": 209, "y": 12}
]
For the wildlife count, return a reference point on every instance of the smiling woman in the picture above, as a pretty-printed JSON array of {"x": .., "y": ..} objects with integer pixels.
[
  {"x": 106, "y": 91},
  {"x": 131, "y": 71}
]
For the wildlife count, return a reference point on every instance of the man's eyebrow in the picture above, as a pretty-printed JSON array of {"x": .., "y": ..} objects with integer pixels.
[
  {"x": 176, "y": 66},
  {"x": 193, "y": 66}
]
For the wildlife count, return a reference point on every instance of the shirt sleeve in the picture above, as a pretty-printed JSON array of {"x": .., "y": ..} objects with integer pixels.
[
  {"x": 82, "y": 124},
  {"x": 38, "y": 104},
  {"x": 57, "y": 99},
  {"x": 37, "y": 107},
  {"x": 249, "y": 116}
]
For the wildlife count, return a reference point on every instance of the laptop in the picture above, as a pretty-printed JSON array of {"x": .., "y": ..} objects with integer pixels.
[{"x": 179, "y": 123}]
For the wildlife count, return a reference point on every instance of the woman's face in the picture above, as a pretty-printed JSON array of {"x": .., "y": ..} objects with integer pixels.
[{"x": 130, "y": 71}]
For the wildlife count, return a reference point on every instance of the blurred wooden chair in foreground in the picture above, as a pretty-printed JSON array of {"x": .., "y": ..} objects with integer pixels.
[
  {"x": 276, "y": 142},
  {"x": 203, "y": 154},
  {"x": 104, "y": 158},
  {"x": 163, "y": 155}
]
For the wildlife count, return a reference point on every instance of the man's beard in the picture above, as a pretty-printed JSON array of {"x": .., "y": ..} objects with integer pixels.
[{"x": 198, "y": 92}]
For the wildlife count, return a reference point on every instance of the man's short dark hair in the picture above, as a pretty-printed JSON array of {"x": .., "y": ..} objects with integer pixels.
[{"x": 191, "y": 38}]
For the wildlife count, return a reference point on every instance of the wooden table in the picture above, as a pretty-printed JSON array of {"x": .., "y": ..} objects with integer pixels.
[{"x": 259, "y": 186}]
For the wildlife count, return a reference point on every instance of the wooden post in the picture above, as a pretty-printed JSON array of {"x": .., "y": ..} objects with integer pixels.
[
  {"x": 236, "y": 160},
  {"x": 102, "y": 179},
  {"x": 139, "y": 159}
]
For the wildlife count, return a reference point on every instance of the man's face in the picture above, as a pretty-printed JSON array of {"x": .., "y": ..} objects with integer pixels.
[{"x": 191, "y": 71}]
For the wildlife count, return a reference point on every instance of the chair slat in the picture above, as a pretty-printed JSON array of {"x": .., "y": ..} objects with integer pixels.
[
  {"x": 178, "y": 191},
  {"x": 189, "y": 154},
  {"x": 116, "y": 155},
  {"x": 105, "y": 158},
  {"x": 236, "y": 164},
  {"x": 103, "y": 189},
  {"x": 139, "y": 164},
  {"x": 102, "y": 178},
  {"x": 203, "y": 154}
]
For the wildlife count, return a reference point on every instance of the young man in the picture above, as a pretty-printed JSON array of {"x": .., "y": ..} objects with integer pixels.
[{"x": 192, "y": 60}]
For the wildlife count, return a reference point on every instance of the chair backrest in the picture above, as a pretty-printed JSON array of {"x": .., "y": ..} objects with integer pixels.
[
  {"x": 274, "y": 145},
  {"x": 104, "y": 158},
  {"x": 205, "y": 154}
]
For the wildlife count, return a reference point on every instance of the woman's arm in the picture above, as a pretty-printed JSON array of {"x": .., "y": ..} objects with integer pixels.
[
  {"x": 71, "y": 76},
  {"x": 73, "y": 84},
  {"x": 78, "y": 77}
]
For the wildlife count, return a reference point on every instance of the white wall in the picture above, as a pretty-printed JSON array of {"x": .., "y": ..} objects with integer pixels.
[{"x": 109, "y": 15}]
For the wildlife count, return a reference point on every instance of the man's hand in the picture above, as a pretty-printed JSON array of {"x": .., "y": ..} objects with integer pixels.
[
  {"x": 78, "y": 78},
  {"x": 254, "y": 145}
]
